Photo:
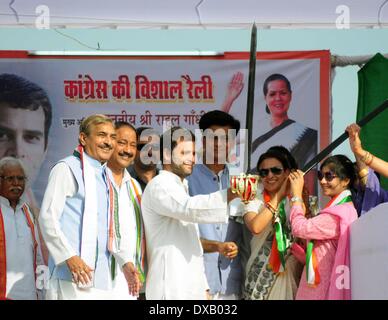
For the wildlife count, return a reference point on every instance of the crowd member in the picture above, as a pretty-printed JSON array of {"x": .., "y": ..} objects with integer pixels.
[
  {"x": 272, "y": 272},
  {"x": 174, "y": 251},
  {"x": 220, "y": 241},
  {"x": 369, "y": 192},
  {"x": 77, "y": 220},
  {"x": 19, "y": 242},
  {"x": 144, "y": 167},
  {"x": 130, "y": 261},
  {"x": 328, "y": 233}
]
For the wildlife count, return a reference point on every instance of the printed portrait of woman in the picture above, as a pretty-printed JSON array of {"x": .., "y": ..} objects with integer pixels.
[{"x": 276, "y": 127}]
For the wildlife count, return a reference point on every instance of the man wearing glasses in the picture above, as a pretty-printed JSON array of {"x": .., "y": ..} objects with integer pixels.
[{"x": 19, "y": 242}]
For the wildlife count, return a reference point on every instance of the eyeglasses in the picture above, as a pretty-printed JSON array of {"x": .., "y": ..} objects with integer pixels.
[
  {"x": 275, "y": 170},
  {"x": 329, "y": 176},
  {"x": 10, "y": 179}
]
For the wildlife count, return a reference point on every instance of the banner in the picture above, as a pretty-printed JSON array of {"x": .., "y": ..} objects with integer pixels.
[
  {"x": 372, "y": 91},
  {"x": 150, "y": 91}
]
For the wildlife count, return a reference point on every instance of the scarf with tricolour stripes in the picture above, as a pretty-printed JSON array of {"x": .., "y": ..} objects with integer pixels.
[
  {"x": 312, "y": 270},
  {"x": 135, "y": 195}
]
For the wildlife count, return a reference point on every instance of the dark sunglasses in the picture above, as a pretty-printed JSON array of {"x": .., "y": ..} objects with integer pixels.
[
  {"x": 329, "y": 176},
  {"x": 275, "y": 170}
]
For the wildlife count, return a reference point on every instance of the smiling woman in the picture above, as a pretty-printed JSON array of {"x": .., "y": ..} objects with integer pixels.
[
  {"x": 272, "y": 273},
  {"x": 299, "y": 139},
  {"x": 327, "y": 271}
]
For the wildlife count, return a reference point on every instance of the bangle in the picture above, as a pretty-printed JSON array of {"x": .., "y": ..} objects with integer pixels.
[
  {"x": 296, "y": 199},
  {"x": 363, "y": 173},
  {"x": 271, "y": 209},
  {"x": 271, "y": 206},
  {"x": 370, "y": 159},
  {"x": 366, "y": 155}
]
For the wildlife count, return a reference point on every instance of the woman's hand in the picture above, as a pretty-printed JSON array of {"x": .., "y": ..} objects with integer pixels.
[
  {"x": 296, "y": 183},
  {"x": 354, "y": 139},
  {"x": 283, "y": 191},
  {"x": 235, "y": 87}
]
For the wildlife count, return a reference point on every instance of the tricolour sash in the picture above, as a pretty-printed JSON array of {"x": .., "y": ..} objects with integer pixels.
[
  {"x": 312, "y": 271},
  {"x": 281, "y": 238},
  {"x": 135, "y": 195},
  {"x": 90, "y": 216}
]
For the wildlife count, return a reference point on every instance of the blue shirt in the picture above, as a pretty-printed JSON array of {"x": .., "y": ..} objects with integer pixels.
[{"x": 223, "y": 275}]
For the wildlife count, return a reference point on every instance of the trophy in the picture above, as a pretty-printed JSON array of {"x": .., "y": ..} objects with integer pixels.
[{"x": 245, "y": 186}]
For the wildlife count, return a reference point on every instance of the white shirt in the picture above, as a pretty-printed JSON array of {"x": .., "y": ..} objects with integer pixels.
[
  {"x": 174, "y": 251},
  {"x": 62, "y": 184},
  {"x": 127, "y": 219},
  {"x": 19, "y": 252}
]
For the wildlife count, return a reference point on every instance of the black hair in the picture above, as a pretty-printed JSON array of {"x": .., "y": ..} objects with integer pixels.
[
  {"x": 170, "y": 139},
  {"x": 282, "y": 155},
  {"x": 20, "y": 93},
  {"x": 120, "y": 124},
  {"x": 274, "y": 77},
  {"x": 219, "y": 118},
  {"x": 343, "y": 168}
]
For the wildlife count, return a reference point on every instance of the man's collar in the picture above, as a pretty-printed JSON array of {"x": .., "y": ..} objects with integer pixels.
[
  {"x": 4, "y": 201},
  {"x": 206, "y": 170},
  {"x": 93, "y": 162},
  {"x": 173, "y": 175}
]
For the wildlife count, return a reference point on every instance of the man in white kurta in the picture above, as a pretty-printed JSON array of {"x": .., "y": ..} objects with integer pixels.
[
  {"x": 174, "y": 251},
  {"x": 19, "y": 241},
  {"x": 84, "y": 269},
  {"x": 129, "y": 194}
]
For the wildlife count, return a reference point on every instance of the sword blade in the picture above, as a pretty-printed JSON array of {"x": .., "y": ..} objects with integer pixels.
[
  {"x": 251, "y": 92},
  {"x": 320, "y": 156}
]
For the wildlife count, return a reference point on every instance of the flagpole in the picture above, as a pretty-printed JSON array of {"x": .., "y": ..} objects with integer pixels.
[
  {"x": 325, "y": 152},
  {"x": 251, "y": 93}
]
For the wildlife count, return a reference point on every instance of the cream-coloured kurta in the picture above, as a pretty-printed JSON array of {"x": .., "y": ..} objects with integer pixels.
[
  {"x": 21, "y": 284},
  {"x": 174, "y": 251}
]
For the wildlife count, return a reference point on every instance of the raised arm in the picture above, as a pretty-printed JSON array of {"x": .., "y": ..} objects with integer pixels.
[
  {"x": 234, "y": 89},
  {"x": 365, "y": 158}
]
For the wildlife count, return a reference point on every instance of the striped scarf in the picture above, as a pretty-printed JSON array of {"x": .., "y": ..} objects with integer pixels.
[
  {"x": 135, "y": 196},
  {"x": 89, "y": 222},
  {"x": 281, "y": 238},
  {"x": 312, "y": 268}
]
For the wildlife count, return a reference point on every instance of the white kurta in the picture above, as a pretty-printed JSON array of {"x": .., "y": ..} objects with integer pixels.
[
  {"x": 127, "y": 220},
  {"x": 62, "y": 184},
  {"x": 174, "y": 251},
  {"x": 19, "y": 252}
]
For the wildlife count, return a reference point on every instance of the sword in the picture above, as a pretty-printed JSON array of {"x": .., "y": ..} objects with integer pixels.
[
  {"x": 320, "y": 156},
  {"x": 251, "y": 91}
]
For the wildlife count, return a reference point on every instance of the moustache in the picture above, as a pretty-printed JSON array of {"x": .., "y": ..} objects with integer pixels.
[
  {"x": 188, "y": 162},
  {"x": 17, "y": 188},
  {"x": 126, "y": 154},
  {"x": 106, "y": 146}
]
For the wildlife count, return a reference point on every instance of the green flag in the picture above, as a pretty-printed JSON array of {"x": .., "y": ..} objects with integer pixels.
[{"x": 372, "y": 91}]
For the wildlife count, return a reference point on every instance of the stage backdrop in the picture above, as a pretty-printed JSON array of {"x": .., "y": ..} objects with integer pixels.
[{"x": 147, "y": 91}]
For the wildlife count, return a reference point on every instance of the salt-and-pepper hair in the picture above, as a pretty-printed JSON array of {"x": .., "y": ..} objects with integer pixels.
[{"x": 11, "y": 161}]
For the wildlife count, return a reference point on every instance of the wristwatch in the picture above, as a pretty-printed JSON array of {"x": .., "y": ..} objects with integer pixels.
[{"x": 296, "y": 199}]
